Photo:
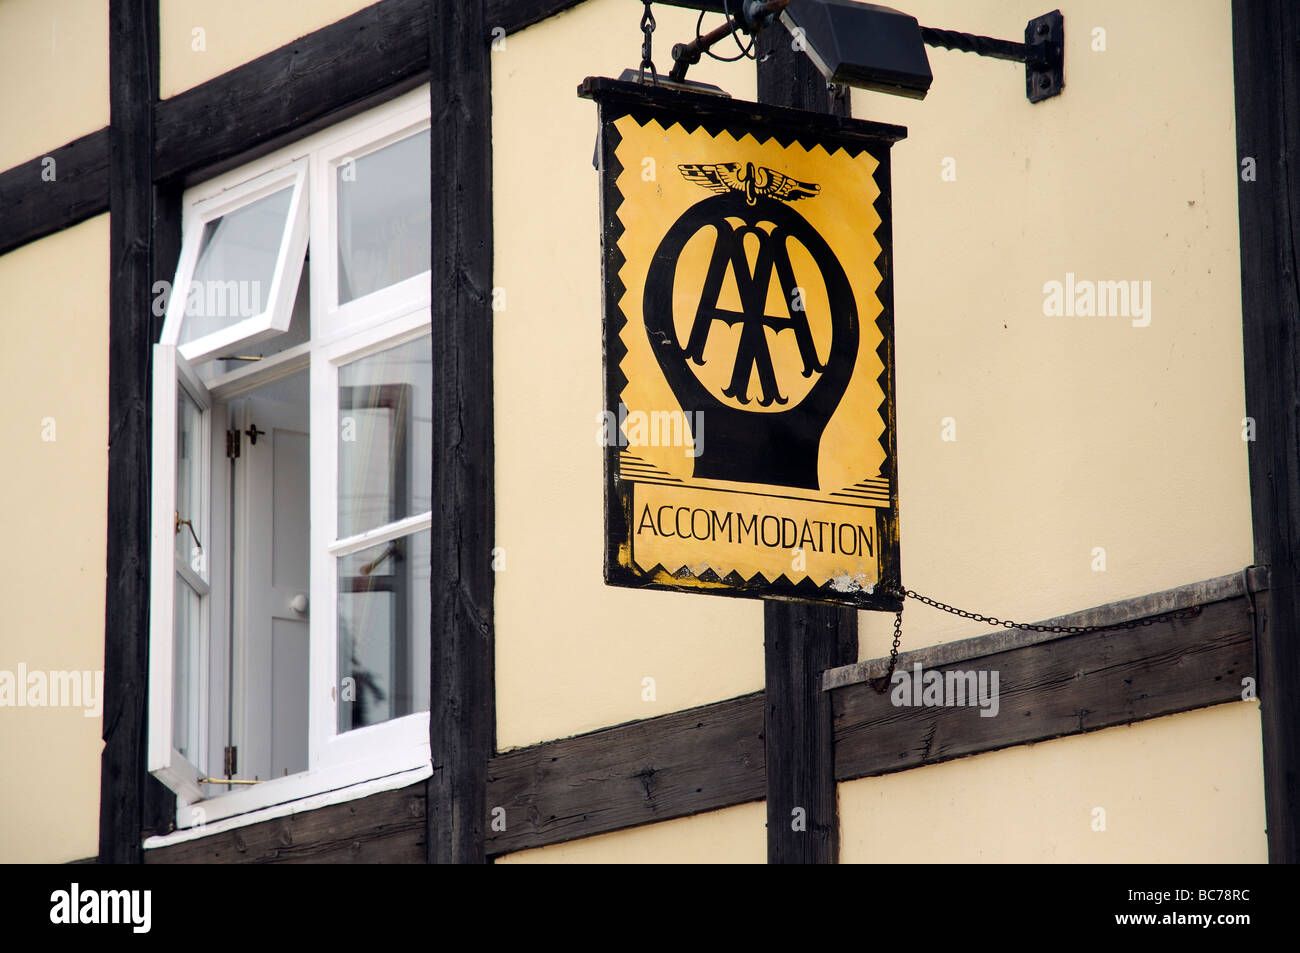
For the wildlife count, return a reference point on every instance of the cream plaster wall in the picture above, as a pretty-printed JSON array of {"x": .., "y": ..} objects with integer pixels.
[
  {"x": 53, "y": 501},
  {"x": 55, "y": 59},
  {"x": 1188, "y": 788},
  {"x": 1073, "y": 433},
  {"x": 572, "y": 653}
]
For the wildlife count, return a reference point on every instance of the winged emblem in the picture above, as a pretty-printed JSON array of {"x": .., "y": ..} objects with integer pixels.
[{"x": 754, "y": 182}]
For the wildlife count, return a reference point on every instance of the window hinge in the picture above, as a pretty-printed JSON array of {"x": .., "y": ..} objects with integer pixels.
[
  {"x": 230, "y": 763},
  {"x": 232, "y": 444}
]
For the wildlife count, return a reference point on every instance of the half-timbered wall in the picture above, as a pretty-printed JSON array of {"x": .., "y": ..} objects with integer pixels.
[{"x": 1047, "y": 463}]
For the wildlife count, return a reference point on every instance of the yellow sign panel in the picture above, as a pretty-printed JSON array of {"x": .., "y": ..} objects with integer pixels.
[{"x": 749, "y": 380}]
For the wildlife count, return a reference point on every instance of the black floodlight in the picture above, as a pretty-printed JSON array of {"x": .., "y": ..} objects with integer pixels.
[{"x": 862, "y": 44}]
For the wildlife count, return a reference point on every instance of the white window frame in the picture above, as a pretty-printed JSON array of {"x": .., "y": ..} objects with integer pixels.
[
  {"x": 272, "y": 319},
  {"x": 384, "y": 319},
  {"x": 171, "y": 375},
  {"x": 401, "y": 122}
]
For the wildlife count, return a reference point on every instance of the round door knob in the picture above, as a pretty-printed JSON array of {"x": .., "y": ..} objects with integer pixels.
[{"x": 299, "y": 603}]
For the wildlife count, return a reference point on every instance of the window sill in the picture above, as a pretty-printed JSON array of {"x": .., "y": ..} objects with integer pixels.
[{"x": 350, "y": 793}]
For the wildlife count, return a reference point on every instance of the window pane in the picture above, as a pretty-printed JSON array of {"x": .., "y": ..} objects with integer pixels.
[
  {"x": 384, "y": 632},
  {"x": 384, "y": 217},
  {"x": 237, "y": 256},
  {"x": 189, "y": 483},
  {"x": 185, "y": 672},
  {"x": 385, "y": 437}
]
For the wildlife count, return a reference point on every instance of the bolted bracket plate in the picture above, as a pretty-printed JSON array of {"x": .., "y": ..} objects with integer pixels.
[{"x": 1045, "y": 56}]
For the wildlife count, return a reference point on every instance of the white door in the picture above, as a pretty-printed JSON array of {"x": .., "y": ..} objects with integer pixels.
[{"x": 273, "y": 529}]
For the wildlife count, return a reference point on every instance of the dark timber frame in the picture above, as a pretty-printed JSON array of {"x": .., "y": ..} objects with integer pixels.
[
  {"x": 1266, "y": 55},
  {"x": 686, "y": 762},
  {"x": 801, "y": 641},
  {"x": 133, "y": 69},
  {"x": 462, "y": 723},
  {"x": 712, "y": 757}
]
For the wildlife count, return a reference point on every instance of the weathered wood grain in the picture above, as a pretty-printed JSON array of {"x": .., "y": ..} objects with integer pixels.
[
  {"x": 124, "y": 783},
  {"x": 318, "y": 79},
  {"x": 1072, "y": 685},
  {"x": 514, "y": 15},
  {"x": 980, "y": 640},
  {"x": 713, "y": 757},
  {"x": 385, "y": 828},
  {"x": 655, "y": 770},
  {"x": 1266, "y": 58},
  {"x": 801, "y": 641},
  {"x": 462, "y": 722},
  {"x": 31, "y": 208}
]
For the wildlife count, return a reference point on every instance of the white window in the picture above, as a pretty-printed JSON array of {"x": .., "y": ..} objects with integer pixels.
[{"x": 292, "y": 448}]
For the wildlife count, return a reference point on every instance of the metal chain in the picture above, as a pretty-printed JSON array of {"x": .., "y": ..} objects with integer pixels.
[
  {"x": 648, "y": 28},
  {"x": 882, "y": 685}
]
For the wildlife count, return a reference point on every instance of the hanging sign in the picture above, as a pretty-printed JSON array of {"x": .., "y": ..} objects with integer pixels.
[{"x": 749, "y": 350}]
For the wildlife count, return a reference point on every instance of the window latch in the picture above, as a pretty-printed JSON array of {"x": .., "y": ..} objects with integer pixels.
[
  {"x": 230, "y": 763},
  {"x": 188, "y": 524}
]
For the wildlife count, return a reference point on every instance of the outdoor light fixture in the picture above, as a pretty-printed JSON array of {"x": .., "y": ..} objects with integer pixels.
[
  {"x": 861, "y": 44},
  {"x": 873, "y": 47}
]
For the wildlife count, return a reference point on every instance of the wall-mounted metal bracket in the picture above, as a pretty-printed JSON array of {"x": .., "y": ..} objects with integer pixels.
[
  {"x": 1045, "y": 65},
  {"x": 1043, "y": 52}
]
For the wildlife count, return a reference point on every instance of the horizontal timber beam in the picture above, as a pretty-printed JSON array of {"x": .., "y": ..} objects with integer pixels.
[
  {"x": 514, "y": 15},
  {"x": 978, "y": 644},
  {"x": 39, "y": 197},
  {"x": 712, "y": 757},
  {"x": 319, "y": 78},
  {"x": 316, "y": 80},
  {"x": 1065, "y": 686},
  {"x": 671, "y": 766},
  {"x": 294, "y": 90}
]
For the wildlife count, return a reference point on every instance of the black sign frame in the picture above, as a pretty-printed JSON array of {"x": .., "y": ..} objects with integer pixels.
[{"x": 717, "y": 114}]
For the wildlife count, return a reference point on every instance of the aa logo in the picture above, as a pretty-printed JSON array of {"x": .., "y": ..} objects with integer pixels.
[{"x": 753, "y": 322}]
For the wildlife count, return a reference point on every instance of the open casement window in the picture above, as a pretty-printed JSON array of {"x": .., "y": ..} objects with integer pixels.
[
  {"x": 240, "y": 263},
  {"x": 292, "y": 478},
  {"x": 181, "y": 590}
]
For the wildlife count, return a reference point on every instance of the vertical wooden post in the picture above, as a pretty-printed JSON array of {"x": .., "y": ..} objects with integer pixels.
[
  {"x": 800, "y": 641},
  {"x": 462, "y": 716},
  {"x": 125, "y": 788},
  {"x": 1266, "y": 57}
]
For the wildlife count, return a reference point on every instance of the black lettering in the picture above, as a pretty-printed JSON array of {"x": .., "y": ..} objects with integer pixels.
[
  {"x": 852, "y": 548},
  {"x": 660, "y": 517},
  {"x": 646, "y": 521}
]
